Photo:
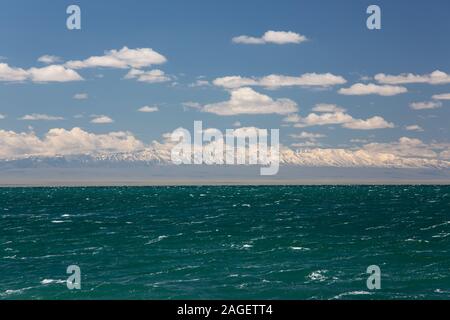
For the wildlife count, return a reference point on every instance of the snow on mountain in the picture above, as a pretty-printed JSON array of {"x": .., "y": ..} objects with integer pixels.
[{"x": 159, "y": 154}]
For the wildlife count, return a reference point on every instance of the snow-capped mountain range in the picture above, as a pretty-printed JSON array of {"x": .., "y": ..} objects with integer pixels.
[{"x": 306, "y": 158}]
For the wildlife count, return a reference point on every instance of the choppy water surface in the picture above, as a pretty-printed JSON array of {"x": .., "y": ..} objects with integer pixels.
[{"x": 291, "y": 242}]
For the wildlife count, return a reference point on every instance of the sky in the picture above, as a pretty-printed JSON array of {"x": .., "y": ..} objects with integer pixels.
[{"x": 309, "y": 68}]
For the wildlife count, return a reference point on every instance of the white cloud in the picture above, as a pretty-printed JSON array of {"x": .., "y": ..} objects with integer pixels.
[
  {"x": 443, "y": 96},
  {"x": 314, "y": 119},
  {"x": 276, "y": 37},
  {"x": 248, "y": 101},
  {"x": 404, "y": 153},
  {"x": 2, "y": 116},
  {"x": 344, "y": 119},
  {"x": 359, "y": 140},
  {"x": 200, "y": 83},
  {"x": 247, "y": 132},
  {"x": 191, "y": 105},
  {"x": 305, "y": 80},
  {"x": 292, "y": 118},
  {"x": 148, "y": 109},
  {"x": 305, "y": 144},
  {"x": 65, "y": 142},
  {"x": 12, "y": 74},
  {"x": 307, "y": 135},
  {"x": 101, "y": 119},
  {"x": 425, "y": 105},
  {"x": 326, "y": 107},
  {"x": 436, "y": 77},
  {"x": 369, "y": 124},
  {"x": 121, "y": 59},
  {"x": 80, "y": 96},
  {"x": 275, "y": 81},
  {"x": 360, "y": 89},
  {"x": 49, "y": 59},
  {"x": 39, "y": 117},
  {"x": 445, "y": 154},
  {"x": 414, "y": 127},
  {"x": 405, "y": 147},
  {"x": 52, "y": 73},
  {"x": 151, "y": 76},
  {"x": 234, "y": 82}
]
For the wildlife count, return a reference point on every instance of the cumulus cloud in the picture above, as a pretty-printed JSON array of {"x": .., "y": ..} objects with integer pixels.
[
  {"x": 2, "y": 116},
  {"x": 305, "y": 144},
  {"x": 101, "y": 119},
  {"x": 121, "y": 59},
  {"x": 314, "y": 119},
  {"x": 344, "y": 119},
  {"x": 425, "y": 105},
  {"x": 369, "y": 124},
  {"x": 292, "y": 118},
  {"x": 52, "y": 73},
  {"x": 414, "y": 127},
  {"x": 436, "y": 77},
  {"x": 234, "y": 82},
  {"x": 49, "y": 59},
  {"x": 327, "y": 107},
  {"x": 148, "y": 109},
  {"x": 443, "y": 96},
  {"x": 80, "y": 96},
  {"x": 58, "y": 142},
  {"x": 360, "y": 89},
  {"x": 404, "y": 153},
  {"x": 275, "y": 37},
  {"x": 275, "y": 81},
  {"x": 307, "y": 135},
  {"x": 248, "y": 101},
  {"x": 445, "y": 154},
  {"x": 404, "y": 147},
  {"x": 40, "y": 117},
  {"x": 151, "y": 76},
  {"x": 12, "y": 74}
]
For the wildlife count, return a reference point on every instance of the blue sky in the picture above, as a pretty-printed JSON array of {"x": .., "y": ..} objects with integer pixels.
[{"x": 196, "y": 39}]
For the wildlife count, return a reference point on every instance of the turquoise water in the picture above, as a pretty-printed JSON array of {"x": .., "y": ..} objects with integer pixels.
[{"x": 276, "y": 242}]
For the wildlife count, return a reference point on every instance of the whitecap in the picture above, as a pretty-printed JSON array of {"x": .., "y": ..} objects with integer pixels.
[
  {"x": 318, "y": 275},
  {"x": 352, "y": 293},
  {"x": 160, "y": 238},
  {"x": 50, "y": 281},
  {"x": 300, "y": 248},
  {"x": 12, "y": 292}
]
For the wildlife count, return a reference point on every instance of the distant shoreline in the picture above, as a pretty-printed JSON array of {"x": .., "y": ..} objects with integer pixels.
[
  {"x": 168, "y": 183},
  {"x": 217, "y": 176}
]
